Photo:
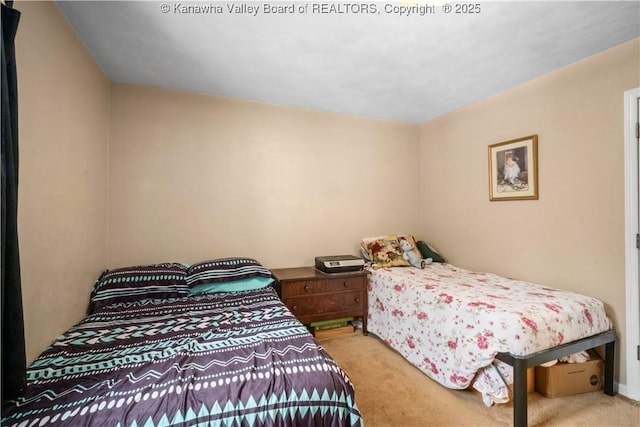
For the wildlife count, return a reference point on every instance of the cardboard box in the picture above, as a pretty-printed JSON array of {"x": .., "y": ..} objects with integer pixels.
[{"x": 565, "y": 379}]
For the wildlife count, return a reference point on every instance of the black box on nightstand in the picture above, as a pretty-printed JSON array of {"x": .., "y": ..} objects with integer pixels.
[{"x": 339, "y": 263}]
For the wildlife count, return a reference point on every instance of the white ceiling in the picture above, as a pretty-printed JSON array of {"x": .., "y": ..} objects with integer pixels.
[{"x": 382, "y": 65}]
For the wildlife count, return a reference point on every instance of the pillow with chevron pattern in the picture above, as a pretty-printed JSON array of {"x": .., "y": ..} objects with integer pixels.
[
  {"x": 218, "y": 272},
  {"x": 128, "y": 284}
]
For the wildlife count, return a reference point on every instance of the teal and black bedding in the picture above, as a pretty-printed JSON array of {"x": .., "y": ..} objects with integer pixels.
[{"x": 236, "y": 358}]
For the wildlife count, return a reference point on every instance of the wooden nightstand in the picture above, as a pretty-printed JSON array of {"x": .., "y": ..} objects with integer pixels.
[{"x": 313, "y": 296}]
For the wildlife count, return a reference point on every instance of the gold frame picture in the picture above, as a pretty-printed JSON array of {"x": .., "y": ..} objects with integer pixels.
[{"x": 513, "y": 169}]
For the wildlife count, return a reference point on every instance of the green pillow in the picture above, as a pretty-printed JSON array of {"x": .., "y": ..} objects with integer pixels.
[
  {"x": 427, "y": 252},
  {"x": 248, "y": 284}
]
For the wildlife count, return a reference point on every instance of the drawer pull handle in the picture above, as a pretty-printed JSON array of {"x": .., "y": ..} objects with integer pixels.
[
  {"x": 356, "y": 299},
  {"x": 345, "y": 284},
  {"x": 294, "y": 308},
  {"x": 306, "y": 288}
]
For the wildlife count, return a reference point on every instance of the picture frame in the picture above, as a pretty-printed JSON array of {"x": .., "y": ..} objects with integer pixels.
[{"x": 513, "y": 169}]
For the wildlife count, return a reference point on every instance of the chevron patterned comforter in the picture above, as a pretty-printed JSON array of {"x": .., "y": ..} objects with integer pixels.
[{"x": 224, "y": 359}]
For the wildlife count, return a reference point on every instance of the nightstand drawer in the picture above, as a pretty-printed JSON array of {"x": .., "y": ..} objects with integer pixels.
[
  {"x": 354, "y": 300},
  {"x": 329, "y": 303},
  {"x": 345, "y": 284},
  {"x": 303, "y": 287}
]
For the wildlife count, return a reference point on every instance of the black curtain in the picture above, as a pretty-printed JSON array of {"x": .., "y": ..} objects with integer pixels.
[{"x": 12, "y": 347}]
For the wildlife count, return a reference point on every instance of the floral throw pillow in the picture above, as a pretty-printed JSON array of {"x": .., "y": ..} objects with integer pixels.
[{"x": 385, "y": 252}]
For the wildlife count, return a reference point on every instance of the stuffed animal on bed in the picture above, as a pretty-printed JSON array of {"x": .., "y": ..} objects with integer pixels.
[{"x": 409, "y": 252}]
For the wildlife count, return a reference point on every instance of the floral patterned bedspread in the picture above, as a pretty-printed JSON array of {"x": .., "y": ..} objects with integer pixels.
[{"x": 451, "y": 322}]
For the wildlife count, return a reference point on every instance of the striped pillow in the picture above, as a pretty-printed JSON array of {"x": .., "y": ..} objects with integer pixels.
[
  {"x": 224, "y": 270},
  {"x": 157, "y": 281}
]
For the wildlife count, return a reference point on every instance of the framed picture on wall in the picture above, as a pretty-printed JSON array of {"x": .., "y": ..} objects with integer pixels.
[{"x": 513, "y": 169}]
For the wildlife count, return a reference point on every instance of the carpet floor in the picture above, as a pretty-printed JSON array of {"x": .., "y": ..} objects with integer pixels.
[{"x": 391, "y": 392}]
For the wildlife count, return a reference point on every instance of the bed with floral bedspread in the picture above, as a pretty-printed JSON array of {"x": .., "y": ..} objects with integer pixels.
[{"x": 453, "y": 323}]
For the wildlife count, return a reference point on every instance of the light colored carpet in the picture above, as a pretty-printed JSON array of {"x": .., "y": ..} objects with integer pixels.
[{"x": 391, "y": 392}]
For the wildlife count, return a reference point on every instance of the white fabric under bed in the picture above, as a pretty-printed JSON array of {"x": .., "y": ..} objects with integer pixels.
[{"x": 451, "y": 322}]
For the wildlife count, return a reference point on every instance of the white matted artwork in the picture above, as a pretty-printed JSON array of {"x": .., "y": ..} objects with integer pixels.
[{"x": 513, "y": 169}]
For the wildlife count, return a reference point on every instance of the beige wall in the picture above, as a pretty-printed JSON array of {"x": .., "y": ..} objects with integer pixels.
[
  {"x": 573, "y": 236},
  {"x": 195, "y": 177},
  {"x": 188, "y": 177},
  {"x": 64, "y": 129}
]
